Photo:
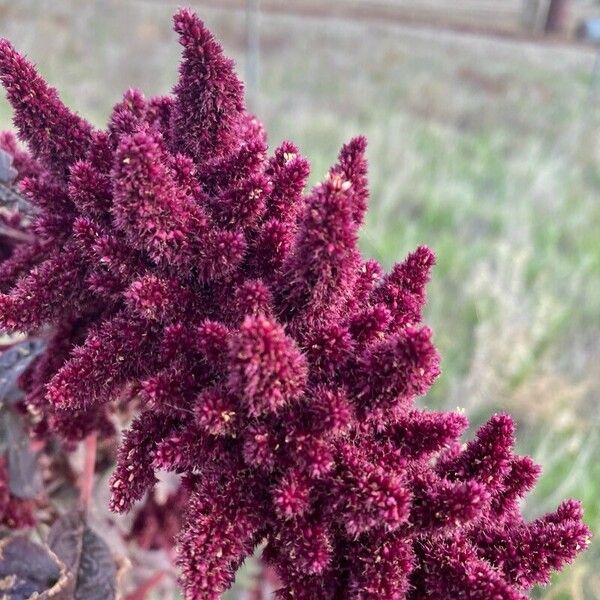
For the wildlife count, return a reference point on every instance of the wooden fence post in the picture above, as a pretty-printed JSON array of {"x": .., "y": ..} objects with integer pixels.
[
  {"x": 558, "y": 16},
  {"x": 252, "y": 52}
]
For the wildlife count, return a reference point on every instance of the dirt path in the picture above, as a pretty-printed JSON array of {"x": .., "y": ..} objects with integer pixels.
[{"x": 499, "y": 23}]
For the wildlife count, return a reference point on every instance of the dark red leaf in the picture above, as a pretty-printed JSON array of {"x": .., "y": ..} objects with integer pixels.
[
  {"x": 24, "y": 477},
  {"x": 7, "y": 171},
  {"x": 86, "y": 557},
  {"x": 28, "y": 570},
  {"x": 13, "y": 362}
]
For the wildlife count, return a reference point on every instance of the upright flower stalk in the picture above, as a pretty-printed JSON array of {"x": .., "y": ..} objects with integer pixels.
[{"x": 171, "y": 263}]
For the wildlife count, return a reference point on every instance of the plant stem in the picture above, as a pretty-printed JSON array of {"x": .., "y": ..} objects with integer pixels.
[
  {"x": 16, "y": 234},
  {"x": 142, "y": 592},
  {"x": 89, "y": 464}
]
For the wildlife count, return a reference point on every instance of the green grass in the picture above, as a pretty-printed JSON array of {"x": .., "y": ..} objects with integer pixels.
[{"x": 487, "y": 152}]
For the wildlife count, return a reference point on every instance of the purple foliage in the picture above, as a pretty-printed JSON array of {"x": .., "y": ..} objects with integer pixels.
[{"x": 173, "y": 262}]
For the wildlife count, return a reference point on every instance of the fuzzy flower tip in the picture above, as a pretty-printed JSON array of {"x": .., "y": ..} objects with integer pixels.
[{"x": 274, "y": 367}]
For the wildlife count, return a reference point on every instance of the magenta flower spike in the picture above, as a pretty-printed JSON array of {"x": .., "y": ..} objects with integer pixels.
[
  {"x": 171, "y": 263},
  {"x": 56, "y": 136}
]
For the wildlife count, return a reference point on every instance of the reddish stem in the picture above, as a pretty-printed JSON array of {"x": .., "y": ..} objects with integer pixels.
[
  {"x": 37, "y": 445},
  {"x": 87, "y": 477},
  {"x": 266, "y": 582},
  {"x": 259, "y": 584},
  {"x": 142, "y": 592}
]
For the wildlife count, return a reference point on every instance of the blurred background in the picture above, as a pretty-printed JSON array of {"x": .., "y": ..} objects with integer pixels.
[{"x": 483, "y": 120}]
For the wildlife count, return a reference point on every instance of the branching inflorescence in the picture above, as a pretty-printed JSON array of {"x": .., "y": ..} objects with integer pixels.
[{"x": 171, "y": 263}]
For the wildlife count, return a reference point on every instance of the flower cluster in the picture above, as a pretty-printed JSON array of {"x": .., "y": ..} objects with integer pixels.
[{"x": 174, "y": 265}]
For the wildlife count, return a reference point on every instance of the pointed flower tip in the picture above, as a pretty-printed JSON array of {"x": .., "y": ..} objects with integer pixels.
[
  {"x": 134, "y": 98},
  {"x": 12, "y": 61},
  {"x": 9, "y": 58},
  {"x": 56, "y": 136},
  {"x": 502, "y": 422},
  {"x": 209, "y": 97},
  {"x": 425, "y": 256},
  {"x": 141, "y": 146},
  {"x": 6, "y": 47},
  {"x": 357, "y": 144},
  {"x": 570, "y": 510},
  {"x": 352, "y": 161},
  {"x": 188, "y": 25}
]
